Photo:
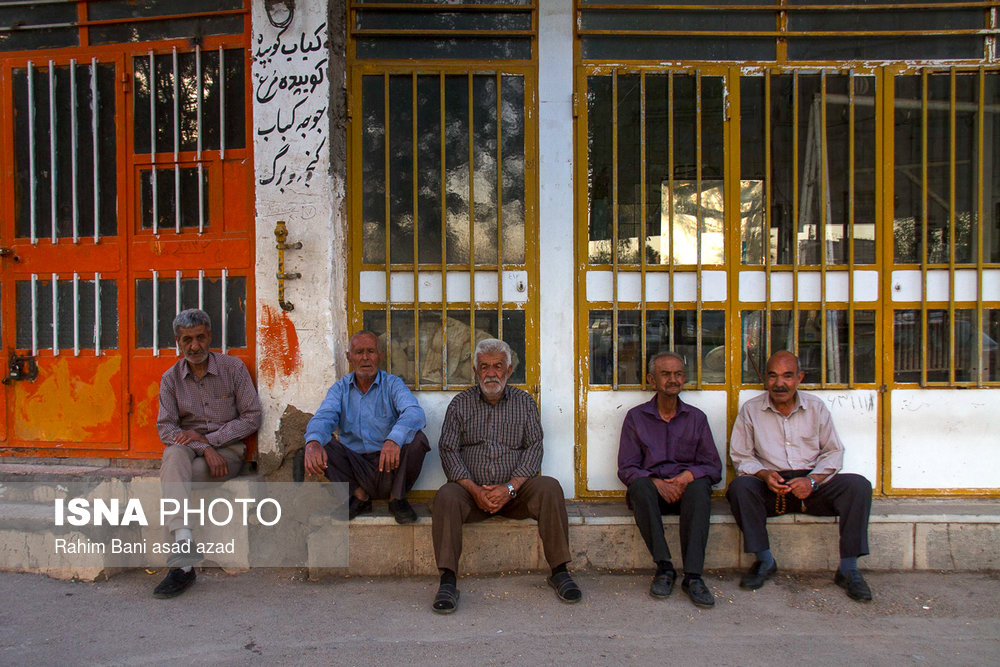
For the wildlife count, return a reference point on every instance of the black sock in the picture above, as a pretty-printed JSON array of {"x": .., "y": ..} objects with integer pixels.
[
  {"x": 448, "y": 577},
  {"x": 558, "y": 568},
  {"x": 689, "y": 577},
  {"x": 664, "y": 566}
]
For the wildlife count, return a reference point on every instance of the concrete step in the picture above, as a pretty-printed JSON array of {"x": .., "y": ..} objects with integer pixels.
[{"x": 904, "y": 534}]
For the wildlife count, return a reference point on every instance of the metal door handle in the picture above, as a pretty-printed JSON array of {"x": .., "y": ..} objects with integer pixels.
[{"x": 21, "y": 368}]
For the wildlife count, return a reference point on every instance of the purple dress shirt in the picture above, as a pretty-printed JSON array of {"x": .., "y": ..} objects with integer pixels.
[{"x": 651, "y": 447}]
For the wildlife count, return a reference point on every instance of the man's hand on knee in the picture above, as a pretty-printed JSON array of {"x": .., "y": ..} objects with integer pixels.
[
  {"x": 217, "y": 466},
  {"x": 187, "y": 437},
  {"x": 315, "y": 458},
  {"x": 388, "y": 460}
]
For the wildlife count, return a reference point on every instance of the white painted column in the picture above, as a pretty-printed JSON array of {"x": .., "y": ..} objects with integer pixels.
[
  {"x": 298, "y": 352},
  {"x": 555, "y": 174}
]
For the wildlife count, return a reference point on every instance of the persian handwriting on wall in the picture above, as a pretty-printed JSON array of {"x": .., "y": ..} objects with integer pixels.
[{"x": 289, "y": 82}]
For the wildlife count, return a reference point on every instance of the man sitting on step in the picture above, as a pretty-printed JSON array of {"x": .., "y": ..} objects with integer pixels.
[{"x": 208, "y": 406}]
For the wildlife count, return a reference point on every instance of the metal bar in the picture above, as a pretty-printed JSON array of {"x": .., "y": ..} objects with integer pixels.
[
  {"x": 851, "y": 128},
  {"x": 980, "y": 284},
  {"x": 76, "y": 313},
  {"x": 795, "y": 213},
  {"x": 156, "y": 313},
  {"x": 177, "y": 145},
  {"x": 766, "y": 324},
  {"x": 499, "y": 163},
  {"x": 472, "y": 220},
  {"x": 952, "y": 94},
  {"x": 199, "y": 95},
  {"x": 201, "y": 289},
  {"x": 152, "y": 142},
  {"x": 699, "y": 222},
  {"x": 416, "y": 247},
  {"x": 34, "y": 314},
  {"x": 97, "y": 314},
  {"x": 763, "y": 7},
  {"x": 614, "y": 229},
  {"x": 444, "y": 235},
  {"x": 74, "y": 147},
  {"x": 225, "y": 311},
  {"x": 670, "y": 205},
  {"x": 974, "y": 32},
  {"x": 95, "y": 106},
  {"x": 32, "y": 167},
  {"x": 222, "y": 104},
  {"x": 177, "y": 303},
  {"x": 923, "y": 217},
  {"x": 642, "y": 229},
  {"x": 822, "y": 228},
  {"x": 388, "y": 255},
  {"x": 53, "y": 167},
  {"x": 55, "y": 314},
  {"x": 434, "y": 7}
]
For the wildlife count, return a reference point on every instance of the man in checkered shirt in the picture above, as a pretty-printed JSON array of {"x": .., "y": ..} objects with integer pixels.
[
  {"x": 208, "y": 406},
  {"x": 491, "y": 451}
]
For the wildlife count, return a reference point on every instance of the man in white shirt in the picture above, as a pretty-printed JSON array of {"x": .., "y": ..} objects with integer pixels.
[{"x": 788, "y": 457}]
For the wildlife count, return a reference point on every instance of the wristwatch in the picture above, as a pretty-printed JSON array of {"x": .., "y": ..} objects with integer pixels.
[
  {"x": 511, "y": 490},
  {"x": 812, "y": 482}
]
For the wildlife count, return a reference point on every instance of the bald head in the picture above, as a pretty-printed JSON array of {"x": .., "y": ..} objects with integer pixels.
[{"x": 783, "y": 356}]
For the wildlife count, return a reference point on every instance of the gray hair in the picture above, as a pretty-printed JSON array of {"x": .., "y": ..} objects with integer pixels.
[
  {"x": 666, "y": 355},
  {"x": 192, "y": 317},
  {"x": 364, "y": 332},
  {"x": 491, "y": 346}
]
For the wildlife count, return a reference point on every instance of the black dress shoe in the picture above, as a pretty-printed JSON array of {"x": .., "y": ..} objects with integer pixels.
[
  {"x": 757, "y": 575},
  {"x": 175, "y": 583},
  {"x": 698, "y": 592},
  {"x": 855, "y": 585},
  {"x": 402, "y": 510},
  {"x": 357, "y": 506},
  {"x": 663, "y": 584}
]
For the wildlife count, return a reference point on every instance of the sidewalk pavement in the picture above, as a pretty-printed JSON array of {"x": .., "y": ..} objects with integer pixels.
[{"x": 269, "y": 616}]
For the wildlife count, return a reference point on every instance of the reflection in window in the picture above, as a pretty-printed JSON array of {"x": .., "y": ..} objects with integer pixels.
[
  {"x": 683, "y": 338},
  {"x": 925, "y": 222},
  {"x": 812, "y": 349},
  {"x": 491, "y": 191},
  {"x": 670, "y": 154},
  {"x": 912, "y": 354},
  {"x": 818, "y": 184},
  {"x": 167, "y": 198},
  {"x": 419, "y": 342},
  {"x": 173, "y": 296}
]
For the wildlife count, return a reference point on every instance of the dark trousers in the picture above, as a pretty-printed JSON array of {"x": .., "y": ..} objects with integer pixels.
[
  {"x": 539, "y": 498},
  {"x": 361, "y": 470},
  {"x": 845, "y": 495},
  {"x": 694, "y": 508}
]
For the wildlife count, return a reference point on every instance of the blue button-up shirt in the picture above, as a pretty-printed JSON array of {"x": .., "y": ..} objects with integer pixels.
[
  {"x": 651, "y": 447},
  {"x": 364, "y": 421}
]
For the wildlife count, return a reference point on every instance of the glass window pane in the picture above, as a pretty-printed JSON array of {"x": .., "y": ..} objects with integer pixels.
[
  {"x": 465, "y": 48},
  {"x": 599, "y": 169},
  {"x": 400, "y": 169},
  {"x": 166, "y": 199},
  {"x": 630, "y": 370},
  {"x": 514, "y": 335},
  {"x": 484, "y": 129},
  {"x": 512, "y": 153},
  {"x": 629, "y": 168},
  {"x": 864, "y": 170},
  {"x": 456, "y": 89},
  {"x": 991, "y": 345},
  {"x": 208, "y": 297},
  {"x": 910, "y": 350},
  {"x": 601, "y": 355},
  {"x": 864, "y": 346},
  {"x": 429, "y": 169},
  {"x": 373, "y": 170}
]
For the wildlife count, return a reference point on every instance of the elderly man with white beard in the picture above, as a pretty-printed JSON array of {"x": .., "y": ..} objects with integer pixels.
[{"x": 491, "y": 451}]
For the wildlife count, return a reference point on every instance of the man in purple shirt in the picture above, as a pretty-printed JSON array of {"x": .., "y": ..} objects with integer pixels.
[{"x": 668, "y": 460}]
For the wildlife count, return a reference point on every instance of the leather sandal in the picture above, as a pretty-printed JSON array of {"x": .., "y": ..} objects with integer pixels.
[
  {"x": 446, "y": 600},
  {"x": 565, "y": 588}
]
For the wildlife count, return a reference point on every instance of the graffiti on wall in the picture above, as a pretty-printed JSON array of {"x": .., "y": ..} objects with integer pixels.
[{"x": 291, "y": 99}]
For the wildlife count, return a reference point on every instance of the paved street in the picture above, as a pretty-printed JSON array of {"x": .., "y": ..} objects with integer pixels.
[{"x": 273, "y": 616}]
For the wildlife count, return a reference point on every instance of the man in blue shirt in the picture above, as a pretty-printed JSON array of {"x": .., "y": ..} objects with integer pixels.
[
  {"x": 668, "y": 460},
  {"x": 379, "y": 447}
]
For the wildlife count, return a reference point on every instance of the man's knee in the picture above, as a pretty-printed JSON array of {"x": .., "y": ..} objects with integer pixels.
[
  {"x": 642, "y": 491},
  {"x": 419, "y": 442},
  {"x": 699, "y": 490},
  {"x": 449, "y": 496},
  {"x": 742, "y": 488},
  {"x": 856, "y": 485},
  {"x": 548, "y": 488}
]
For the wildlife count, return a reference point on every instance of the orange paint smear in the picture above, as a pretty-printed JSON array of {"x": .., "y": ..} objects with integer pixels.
[
  {"x": 70, "y": 403},
  {"x": 279, "y": 344}
]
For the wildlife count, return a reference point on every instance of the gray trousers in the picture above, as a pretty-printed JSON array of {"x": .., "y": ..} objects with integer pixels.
[{"x": 181, "y": 465}]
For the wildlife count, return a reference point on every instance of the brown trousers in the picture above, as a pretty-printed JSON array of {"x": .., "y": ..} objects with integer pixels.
[
  {"x": 181, "y": 465},
  {"x": 539, "y": 498}
]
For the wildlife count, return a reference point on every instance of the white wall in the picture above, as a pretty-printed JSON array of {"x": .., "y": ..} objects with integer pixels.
[
  {"x": 945, "y": 438},
  {"x": 291, "y": 88}
]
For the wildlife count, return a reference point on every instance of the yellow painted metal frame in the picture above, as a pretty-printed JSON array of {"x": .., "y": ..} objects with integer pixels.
[
  {"x": 527, "y": 70},
  {"x": 884, "y": 77}
]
